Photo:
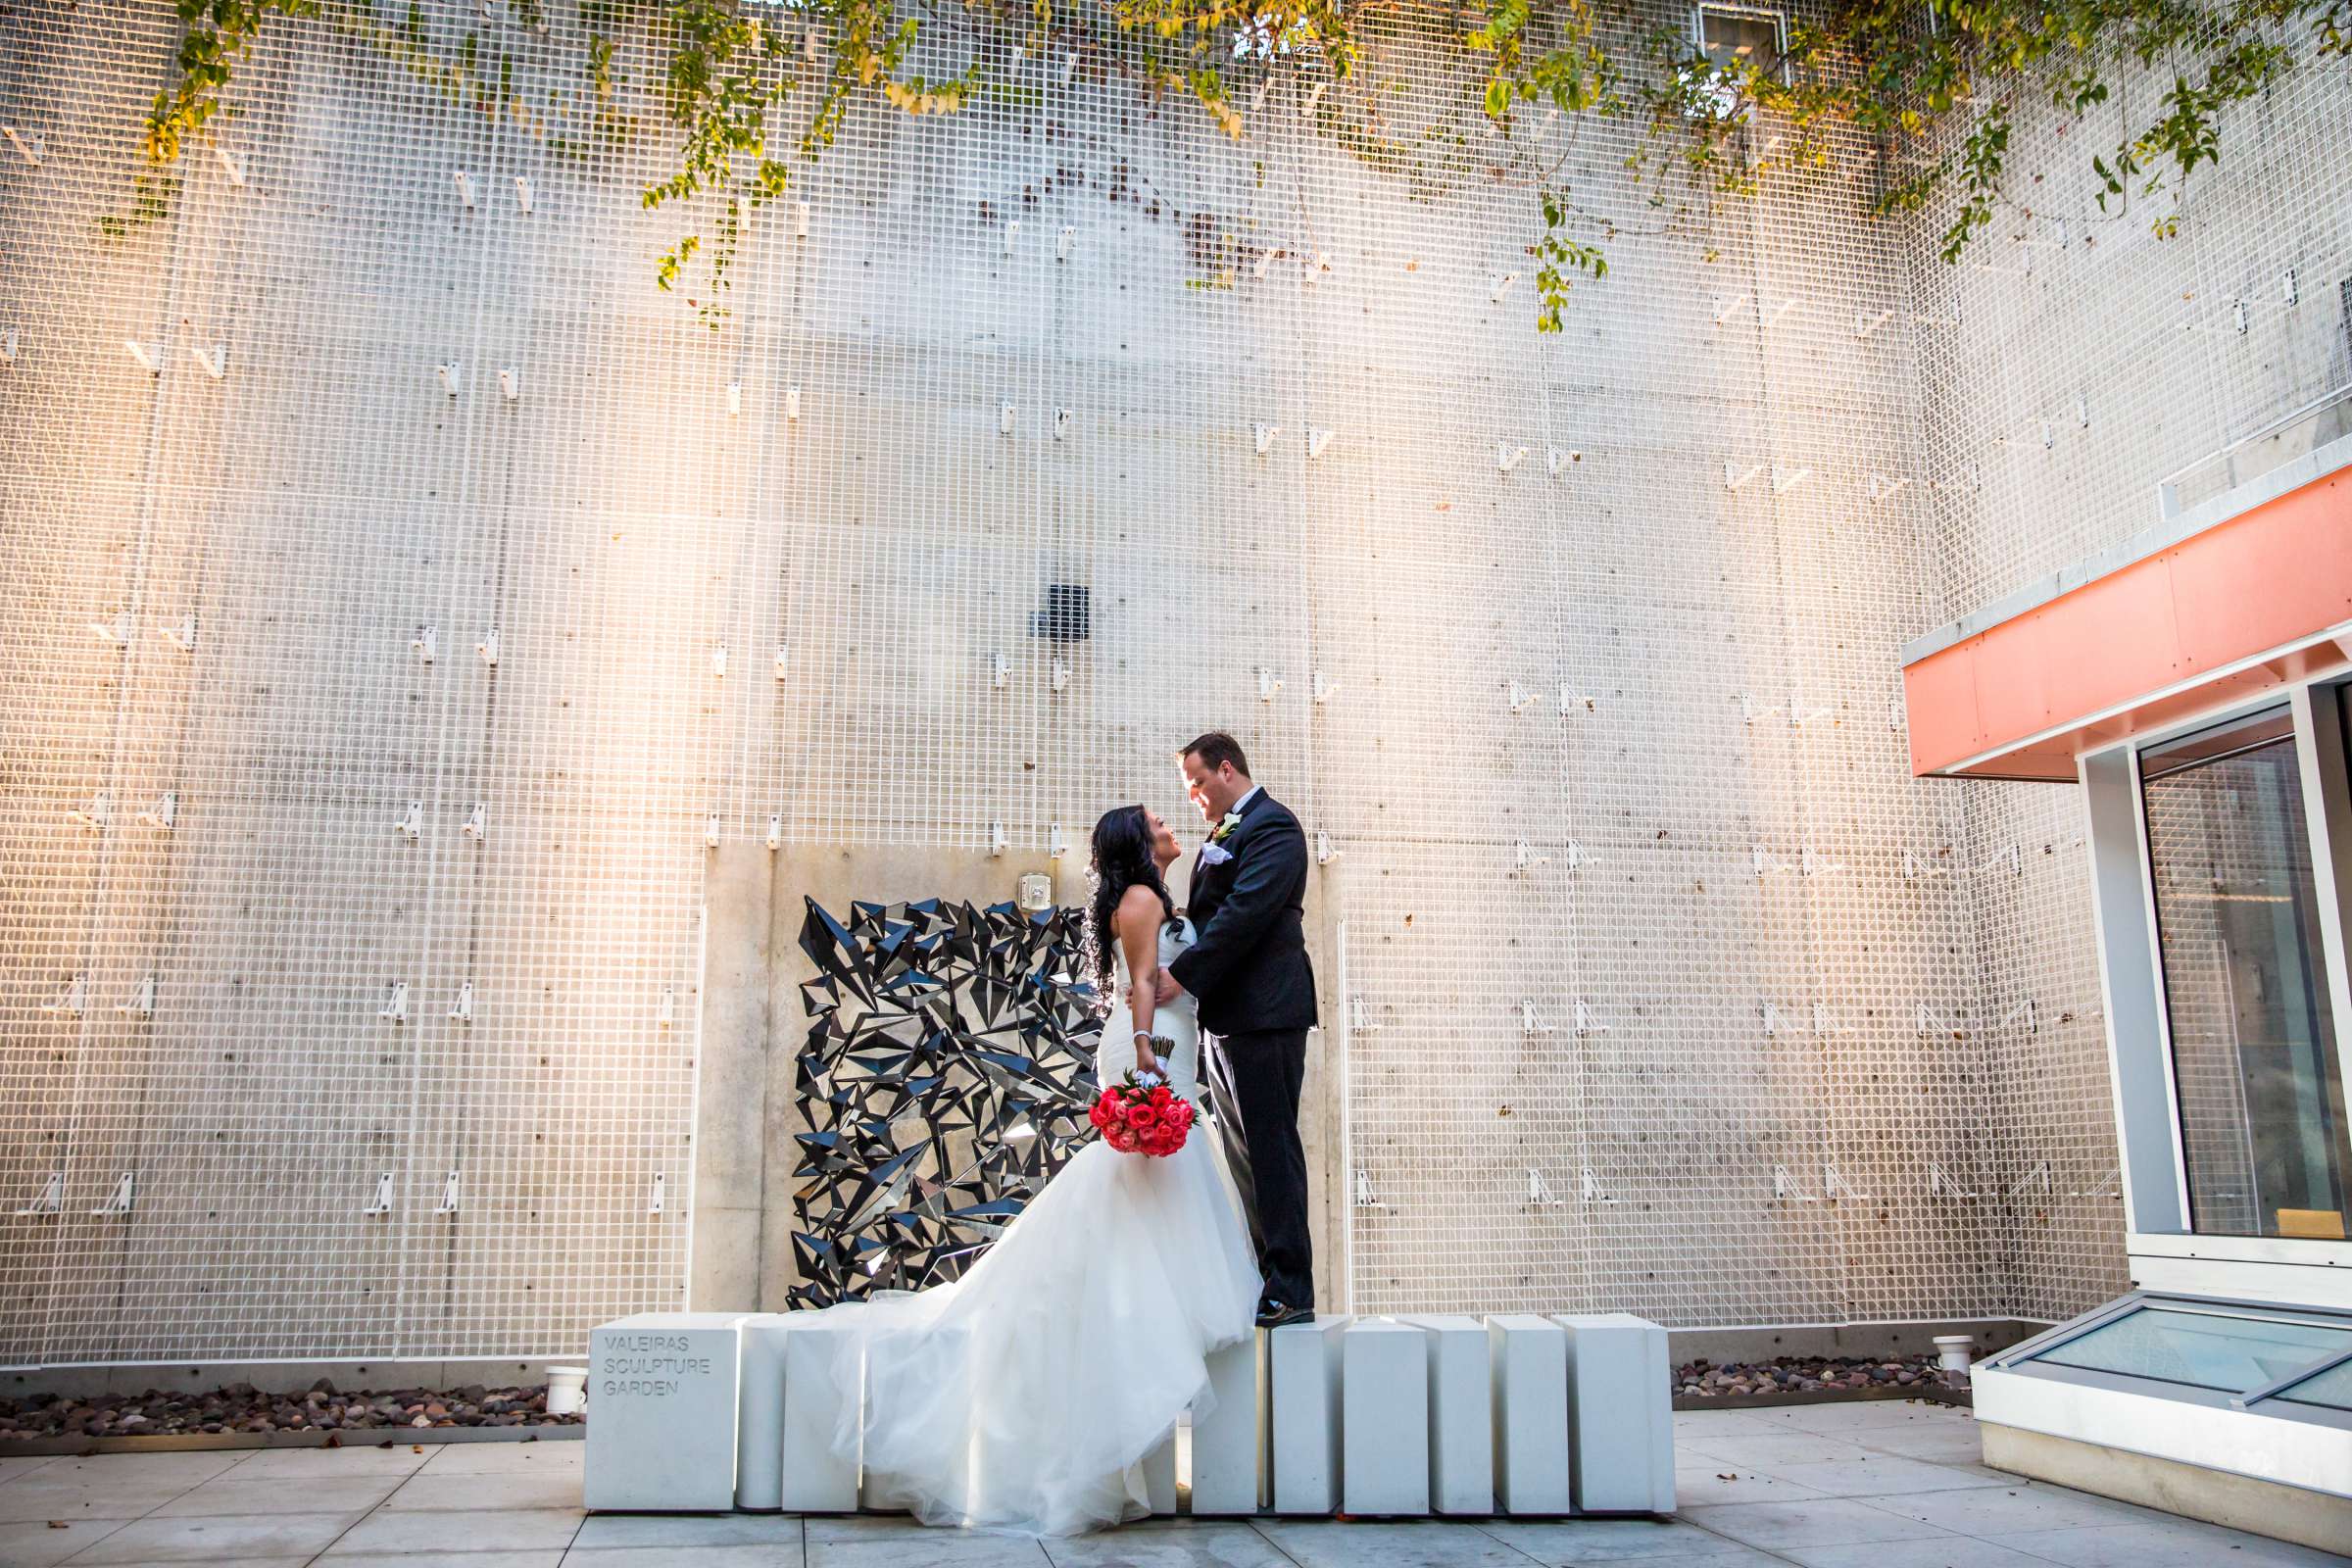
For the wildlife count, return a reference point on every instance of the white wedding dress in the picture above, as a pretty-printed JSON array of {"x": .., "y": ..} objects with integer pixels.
[{"x": 1024, "y": 1396}]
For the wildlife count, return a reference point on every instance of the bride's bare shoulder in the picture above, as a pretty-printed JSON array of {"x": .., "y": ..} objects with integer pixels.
[{"x": 1138, "y": 904}]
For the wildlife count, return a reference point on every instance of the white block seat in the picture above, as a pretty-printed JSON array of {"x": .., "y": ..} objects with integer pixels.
[
  {"x": 1304, "y": 1375},
  {"x": 1229, "y": 1442},
  {"x": 1159, "y": 1478},
  {"x": 1384, "y": 1424},
  {"x": 1462, "y": 1414},
  {"x": 1530, "y": 1381},
  {"x": 662, "y": 1390},
  {"x": 1520, "y": 1414},
  {"x": 812, "y": 1477},
  {"x": 759, "y": 1414},
  {"x": 1620, "y": 1413}
]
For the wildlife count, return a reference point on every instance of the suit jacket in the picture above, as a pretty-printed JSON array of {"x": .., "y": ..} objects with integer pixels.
[{"x": 1248, "y": 964}]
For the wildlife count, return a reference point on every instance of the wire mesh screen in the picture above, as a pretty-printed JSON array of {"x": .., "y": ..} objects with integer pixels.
[
  {"x": 2068, "y": 369},
  {"x": 401, "y": 591}
]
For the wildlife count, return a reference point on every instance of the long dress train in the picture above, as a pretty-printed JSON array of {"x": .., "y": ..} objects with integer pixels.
[{"x": 1025, "y": 1396}]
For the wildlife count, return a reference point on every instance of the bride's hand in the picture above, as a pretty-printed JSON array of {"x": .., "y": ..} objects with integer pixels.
[{"x": 1145, "y": 1061}]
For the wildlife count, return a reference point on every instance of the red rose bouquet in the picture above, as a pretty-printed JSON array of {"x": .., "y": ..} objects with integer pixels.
[{"x": 1142, "y": 1115}]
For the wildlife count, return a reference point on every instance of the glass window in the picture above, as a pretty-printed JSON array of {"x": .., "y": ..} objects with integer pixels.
[
  {"x": 2254, "y": 1060},
  {"x": 1735, "y": 36},
  {"x": 2332, "y": 1390},
  {"x": 2200, "y": 1349}
]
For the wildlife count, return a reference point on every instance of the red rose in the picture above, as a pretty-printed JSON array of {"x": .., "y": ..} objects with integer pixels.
[
  {"x": 1143, "y": 1115},
  {"x": 1160, "y": 1097}
]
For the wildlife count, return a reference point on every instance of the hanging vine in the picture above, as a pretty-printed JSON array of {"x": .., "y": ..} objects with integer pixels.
[{"x": 1937, "y": 90}]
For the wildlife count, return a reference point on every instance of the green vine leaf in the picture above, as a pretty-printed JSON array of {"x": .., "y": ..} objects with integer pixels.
[{"x": 1935, "y": 95}]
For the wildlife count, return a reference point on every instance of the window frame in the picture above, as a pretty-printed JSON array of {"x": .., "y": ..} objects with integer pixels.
[
  {"x": 2166, "y": 1252},
  {"x": 1778, "y": 16},
  {"x": 2027, "y": 1357}
]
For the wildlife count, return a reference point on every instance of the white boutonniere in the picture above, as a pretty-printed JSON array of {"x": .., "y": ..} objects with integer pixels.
[{"x": 1224, "y": 829}]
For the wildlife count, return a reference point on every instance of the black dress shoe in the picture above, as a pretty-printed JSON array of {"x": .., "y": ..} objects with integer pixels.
[{"x": 1274, "y": 1315}]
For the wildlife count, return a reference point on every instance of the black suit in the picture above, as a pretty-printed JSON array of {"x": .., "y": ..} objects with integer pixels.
[{"x": 1249, "y": 969}]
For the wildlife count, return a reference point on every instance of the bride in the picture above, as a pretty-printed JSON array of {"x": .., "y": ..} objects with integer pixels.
[{"x": 1025, "y": 1396}]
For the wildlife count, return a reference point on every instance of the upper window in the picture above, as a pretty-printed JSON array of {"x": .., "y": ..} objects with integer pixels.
[
  {"x": 1735, "y": 35},
  {"x": 2255, "y": 1069},
  {"x": 1734, "y": 39}
]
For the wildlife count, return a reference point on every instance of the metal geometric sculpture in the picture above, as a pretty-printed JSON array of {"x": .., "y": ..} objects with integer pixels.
[{"x": 947, "y": 1076}]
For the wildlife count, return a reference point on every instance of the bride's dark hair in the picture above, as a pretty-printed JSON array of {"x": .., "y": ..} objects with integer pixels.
[{"x": 1122, "y": 859}]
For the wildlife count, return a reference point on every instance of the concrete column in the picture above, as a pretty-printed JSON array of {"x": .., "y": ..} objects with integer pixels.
[
  {"x": 1322, "y": 1100},
  {"x": 731, "y": 1133}
]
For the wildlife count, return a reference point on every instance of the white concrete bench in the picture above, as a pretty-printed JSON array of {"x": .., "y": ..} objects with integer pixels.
[
  {"x": 694, "y": 1412},
  {"x": 1386, "y": 1455},
  {"x": 665, "y": 1389},
  {"x": 788, "y": 1407},
  {"x": 1620, "y": 1421},
  {"x": 1462, "y": 1414},
  {"x": 1229, "y": 1443},
  {"x": 1529, "y": 1381},
  {"x": 1303, "y": 1369}
]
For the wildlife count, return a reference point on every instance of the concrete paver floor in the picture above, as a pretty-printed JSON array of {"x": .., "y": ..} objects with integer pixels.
[{"x": 1835, "y": 1486}]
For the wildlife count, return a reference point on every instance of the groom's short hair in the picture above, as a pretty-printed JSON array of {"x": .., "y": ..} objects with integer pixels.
[{"x": 1215, "y": 748}]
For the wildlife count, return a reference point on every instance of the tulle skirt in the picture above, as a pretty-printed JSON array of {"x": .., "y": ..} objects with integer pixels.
[{"x": 1025, "y": 1396}]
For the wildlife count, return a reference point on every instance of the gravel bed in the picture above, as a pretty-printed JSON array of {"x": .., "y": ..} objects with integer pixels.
[
  {"x": 1806, "y": 1374},
  {"x": 242, "y": 1408}
]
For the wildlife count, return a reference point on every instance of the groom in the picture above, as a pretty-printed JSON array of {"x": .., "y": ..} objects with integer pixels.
[{"x": 1248, "y": 969}]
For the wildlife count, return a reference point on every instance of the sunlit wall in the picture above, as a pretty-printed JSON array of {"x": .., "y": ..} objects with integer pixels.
[{"x": 1667, "y": 989}]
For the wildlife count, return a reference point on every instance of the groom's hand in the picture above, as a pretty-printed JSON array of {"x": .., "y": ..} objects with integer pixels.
[{"x": 1167, "y": 988}]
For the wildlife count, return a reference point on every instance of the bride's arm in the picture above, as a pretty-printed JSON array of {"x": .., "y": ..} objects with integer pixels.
[{"x": 1136, "y": 923}]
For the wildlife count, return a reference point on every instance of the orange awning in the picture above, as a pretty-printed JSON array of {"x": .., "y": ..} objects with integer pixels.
[{"x": 2256, "y": 598}]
